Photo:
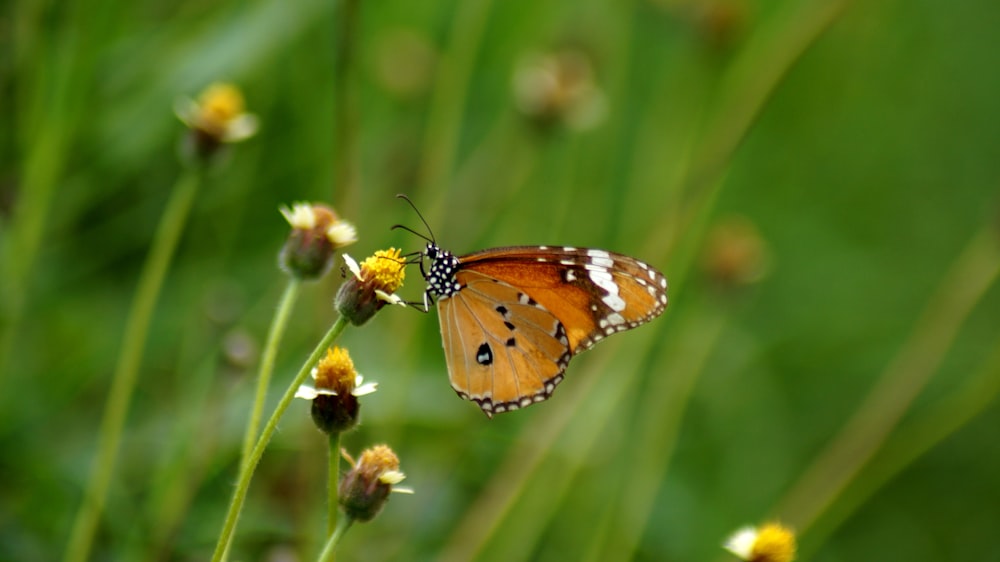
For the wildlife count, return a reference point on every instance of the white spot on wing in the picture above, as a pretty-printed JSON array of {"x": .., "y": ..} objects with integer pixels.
[
  {"x": 603, "y": 279},
  {"x": 601, "y": 258},
  {"x": 614, "y": 302},
  {"x": 614, "y": 319}
]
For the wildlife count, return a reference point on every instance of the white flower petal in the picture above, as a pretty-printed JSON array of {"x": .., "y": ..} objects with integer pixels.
[
  {"x": 364, "y": 389},
  {"x": 391, "y": 299},
  {"x": 741, "y": 542},
  {"x": 391, "y": 477},
  {"x": 307, "y": 392},
  {"x": 353, "y": 266},
  {"x": 241, "y": 128},
  {"x": 300, "y": 216},
  {"x": 402, "y": 490},
  {"x": 342, "y": 233}
]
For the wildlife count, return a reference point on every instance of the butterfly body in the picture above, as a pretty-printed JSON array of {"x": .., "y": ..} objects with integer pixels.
[{"x": 512, "y": 318}]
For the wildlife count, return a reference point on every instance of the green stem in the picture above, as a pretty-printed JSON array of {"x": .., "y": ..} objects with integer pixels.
[
  {"x": 333, "y": 483},
  {"x": 123, "y": 383},
  {"x": 331, "y": 545},
  {"x": 247, "y": 468},
  {"x": 274, "y": 336}
]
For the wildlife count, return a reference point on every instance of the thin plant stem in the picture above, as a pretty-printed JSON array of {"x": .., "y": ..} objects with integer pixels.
[
  {"x": 247, "y": 468},
  {"x": 333, "y": 483},
  {"x": 126, "y": 373},
  {"x": 274, "y": 336},
  {"x": 329, "y": 550}
]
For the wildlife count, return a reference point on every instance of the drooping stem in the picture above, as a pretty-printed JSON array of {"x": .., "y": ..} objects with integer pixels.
[{"x": 154, "y": 270}]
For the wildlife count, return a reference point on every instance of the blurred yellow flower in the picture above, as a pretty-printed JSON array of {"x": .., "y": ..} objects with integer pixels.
[
  {"x": 772, "y": 542},
  {"x": 218, "y": 114}
]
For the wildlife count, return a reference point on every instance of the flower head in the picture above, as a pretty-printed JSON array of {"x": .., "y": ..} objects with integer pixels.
[
  {"x": 771, "y": 542},
  {"x": 217, "y": 117},
  {"x": 559, "y": 88},
  {"x": 335, "y": 392},
  {"x": 366, "y": 487},
  {"x": 371, "y": 286},
  {"x": 317, "y": 233},
  {"x": 735, "y": 253}
]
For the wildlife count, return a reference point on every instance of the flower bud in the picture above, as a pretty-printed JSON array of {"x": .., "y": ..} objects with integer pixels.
[
  {"x": 317, "y": 233},
  {"x": 366, "y": 487}
]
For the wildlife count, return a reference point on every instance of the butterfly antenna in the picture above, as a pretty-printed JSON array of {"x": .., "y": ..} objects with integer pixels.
[
  {"x": 417, "y": 211},
  {"x": 413, "y": 257},
  {"x": 411, "y": 231}
]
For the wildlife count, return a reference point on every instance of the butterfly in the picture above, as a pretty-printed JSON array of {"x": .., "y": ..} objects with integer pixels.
[{"x": 513, "y": 317}]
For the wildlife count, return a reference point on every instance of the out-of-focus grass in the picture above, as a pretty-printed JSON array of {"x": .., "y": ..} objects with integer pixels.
[{"x": 859, "y": 138}]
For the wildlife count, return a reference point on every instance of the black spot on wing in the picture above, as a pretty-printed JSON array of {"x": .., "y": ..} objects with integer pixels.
[{"x": 484, "y": 355}]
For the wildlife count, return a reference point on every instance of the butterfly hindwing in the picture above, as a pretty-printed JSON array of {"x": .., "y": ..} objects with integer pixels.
[{"x": 504, "y": 351}]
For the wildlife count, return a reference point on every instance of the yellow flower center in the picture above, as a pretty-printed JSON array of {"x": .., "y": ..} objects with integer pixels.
[
  {"x": 386, "y": 269},
  {"x": 378, "y": 460},
  {"x": 774, "y": 543},
  {"x": 219, "y": 104},
  {"x": 336, "y": 372}
]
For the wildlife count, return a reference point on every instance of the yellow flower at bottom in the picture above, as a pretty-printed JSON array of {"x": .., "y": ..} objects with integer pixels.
[
  {"x": 334, "y": 395},
  {"x": 336, "y": 371},
  {"x": 771, "y": 542},
  {"x": 366, "y": 487}
]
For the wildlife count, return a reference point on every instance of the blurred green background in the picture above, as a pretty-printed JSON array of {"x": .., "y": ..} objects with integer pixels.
[{"x": 857, "y": 142}]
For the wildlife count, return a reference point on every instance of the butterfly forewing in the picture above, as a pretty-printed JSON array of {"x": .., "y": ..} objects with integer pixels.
[{"x": 594, "y": 293}]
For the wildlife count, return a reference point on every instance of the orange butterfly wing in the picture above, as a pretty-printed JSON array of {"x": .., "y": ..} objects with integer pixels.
[
  {"x": 521, "y": 313},
  {"x": 594, "y": 293},
  {"x": 502, "y": 352}
]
